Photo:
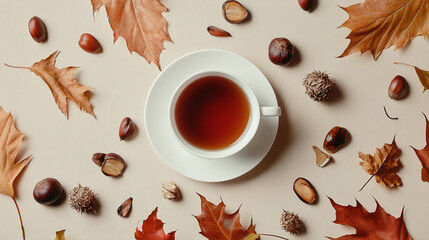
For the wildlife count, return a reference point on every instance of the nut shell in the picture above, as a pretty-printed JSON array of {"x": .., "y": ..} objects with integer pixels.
[
  {"x": 113, "y": 165},
  {"x": 335, "y": 139},
  {"x": 304, "y": 190},
  {"x": 234, "y": 12},
  {"x": 398, "y": 88},
  {"x": 37, "y": 29},
  {"x": 47, "y": 191},
  {"x": 89, "y": 43},
  {"x": 98, "y": 158},
  {"x": 125, "y": 208},
  {"x": 281, "y": 51}
]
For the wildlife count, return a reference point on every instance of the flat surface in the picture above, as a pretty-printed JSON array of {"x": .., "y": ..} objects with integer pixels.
[
  {"x": 63, "y": 148},
  {"x": 161, "y": 134}
]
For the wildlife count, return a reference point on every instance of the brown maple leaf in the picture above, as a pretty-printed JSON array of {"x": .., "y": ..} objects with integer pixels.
[
  {"x": 140, "y": 23},
  {"x": 377, "y": 225},
  {"x": 216, "y": 224},
  {"x": 152, "y": 229},
  {"x": 383, "y": 165},
  {"x": 378, "y": 24},
  {"x": 10, "y": 166},
  {"x": 62, "y": 84},
  {"x": 422, "y": 74},
  {"x": 423, "y": 155}
]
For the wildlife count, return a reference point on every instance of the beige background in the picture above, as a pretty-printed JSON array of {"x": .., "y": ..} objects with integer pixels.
[{"x": 62, "y": 148}]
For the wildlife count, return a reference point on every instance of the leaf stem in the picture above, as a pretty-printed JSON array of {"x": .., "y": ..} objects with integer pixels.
[
  {"x": 272, "y": 235},
  {"x": 7, "y": 65},
  {"x": 406, "y": 64},
  {"x": 391, "y": 118},
  {"x": 20, "y": 219}
]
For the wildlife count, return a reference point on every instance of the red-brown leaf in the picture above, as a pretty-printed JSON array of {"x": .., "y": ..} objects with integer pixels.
[
  {"x": 216, "y": 224},
  {"x": 377, "y": 225},
  {"x": 152, "y": 229},
  {"x": 423, "y": 155}
]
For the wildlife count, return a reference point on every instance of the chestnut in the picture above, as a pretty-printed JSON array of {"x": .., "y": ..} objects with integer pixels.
[
  {"x": 305, "y": 4},
  {"x": 335, "y": 139},
  {"x": 281, "y": 51},
  {"x": 398, "y": 88},
  {"x": 126, "y": 128},
  {"x": 47, "y": 191}
]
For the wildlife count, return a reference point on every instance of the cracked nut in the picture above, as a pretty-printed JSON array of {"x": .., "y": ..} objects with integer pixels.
[
  {"x": 304, "y": 190},
  {"x": 37, "y": 29},
  {"x": 113, "y": 165},
  {"x": 335, "y": 139},
  {"x": 217, "y": 32},
  {"x": 125, "y": 208},
  {"x": 89, "y": 43},
  {"x": 126, "y": 129},
  {"x": 233, "y": 11},
  {"x": 98, "y": 158},
  {"x": 170, "y": 191}
]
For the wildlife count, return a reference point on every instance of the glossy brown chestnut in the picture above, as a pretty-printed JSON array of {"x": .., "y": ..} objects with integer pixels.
[
  {"x": 281, "y": 51},
  {"x": 398, "y": 88},
  {"x": 89, "y": 43},
  {"x": 126, "y": 129},
  {"x": 335, "y": 139},
  {"x": 305, "y": 4},
  {"x": 37, "y": 29},
  {"x": 47, "y": 191}
]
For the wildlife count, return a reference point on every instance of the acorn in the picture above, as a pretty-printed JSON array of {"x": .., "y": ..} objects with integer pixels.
[
  {"x": 37, "y": 29},
  {"x": 89, "y": 43},
  {"x": 47, "y": 191}
]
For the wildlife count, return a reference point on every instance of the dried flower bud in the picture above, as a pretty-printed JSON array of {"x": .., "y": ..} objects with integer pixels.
[
  {"x": 82, "y": 199},
  {"x": 170, "y": 191},
  {"x": 318, "y": 85},
  {"x": 290, "y": 222}
]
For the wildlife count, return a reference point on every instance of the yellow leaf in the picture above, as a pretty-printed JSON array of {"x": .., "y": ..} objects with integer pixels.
[
  {"x": 10, "y": 143},
  {"x": 60, "y": 235},
  {"x": 252, "y": 236},
  {"x": 378, "y": 24},
  {"x": 140, "y": 23},
  {"x": 62, "y": 84}
]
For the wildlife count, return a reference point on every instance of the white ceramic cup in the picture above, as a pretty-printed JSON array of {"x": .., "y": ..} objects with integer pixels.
[{"x": 256, "y": 112}]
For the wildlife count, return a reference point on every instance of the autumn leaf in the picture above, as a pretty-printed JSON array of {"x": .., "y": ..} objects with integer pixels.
[
  {"x": 140, "y": 23},
  {"x": 422, "y": 74},
  {"x": 383, "y": 164},
  {"x": 60, "y": 235},
  {"x": 62, "y": 84},
  {"x": 378, "y": 24},
  {"x": 377, "y": 225},
  {"x": 152, "y": 229},
  {"x": 423, "y": 155},
  {"x": 216, "y": 224},
  {"x": 10, "y": 166}
]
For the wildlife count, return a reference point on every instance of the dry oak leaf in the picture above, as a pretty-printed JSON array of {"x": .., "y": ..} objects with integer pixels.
[
  {"x": 216, "y": 224},
  {"x": 422, "y": 74},
  {"x": 152, "y": 229},
  {"x": 140, "y": 23},
  {"x": 383, "y": 164},
  {"x": 377, "y": 225},
  {"x": 423, "y": 155},
  {"x": 10, "y": 166},
  {"x": 378, "y": 24},
  {"x": 62, "y": 84}
]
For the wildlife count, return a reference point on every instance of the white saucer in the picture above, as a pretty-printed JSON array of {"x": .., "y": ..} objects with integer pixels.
[{"x": 161, "y": 134}]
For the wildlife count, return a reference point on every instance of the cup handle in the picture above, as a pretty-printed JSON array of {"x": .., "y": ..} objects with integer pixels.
[{"x": 270, "y": 111}]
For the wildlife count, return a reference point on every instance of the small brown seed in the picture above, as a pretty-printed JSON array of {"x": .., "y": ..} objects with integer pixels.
[
  {"x": 217, "y": 32},
  {"x": 98, "y": 158},
  {"x": 126, "y": 129},
  {"x": 233, "y": 11},
  {"x": 304, "y": 190},
  {"x": 37, "y": 29},
  {"x": 89, "y": 43},
  {"x": 113, "y": 165},
  {"x": 398, "y": 88},
  {"x": 125, "y": 208},
  {"x": 335, "y": 139},
  {"x": 305, "y": 4}
]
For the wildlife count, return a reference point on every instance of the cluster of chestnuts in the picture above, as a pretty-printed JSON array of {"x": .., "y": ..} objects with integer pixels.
[{"x": 38, "y": 32}]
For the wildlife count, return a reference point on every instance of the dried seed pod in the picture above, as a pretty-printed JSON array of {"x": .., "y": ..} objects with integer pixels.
[
  {"x": 304, "y": 190},
  {"x": 125, "y": 208},
  {"x": 290, "y": 222},
  {"x": 318, "y": 85},
  {"x": 233, "y": 11},
  {"x": 335, "y": 139},
  {"x": 98, "y": 158},
  {"x": 113, "y": 165},
  {"x": 170, "y": 191},
  {"x": 217, "y": 32},
  {"x": 37, "y": 29},
  {"x": 126, "y": 129},
  {"x": 321, "y": 158},
  {"x": 82, "y": 199}
]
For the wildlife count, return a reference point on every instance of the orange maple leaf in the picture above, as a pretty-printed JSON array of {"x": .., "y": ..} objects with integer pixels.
[
  {"x": 378, "y": 24},
  {"x": 377, "y": 225},
  {"x": 152, "y": 229},
  {"x": 10, "y": 166},
  {"x": 140, "y": 23},
  {"x": 62, "y": 84},
  {"x": 216, "y": 224},
  {"x": 423, "y": 155}
]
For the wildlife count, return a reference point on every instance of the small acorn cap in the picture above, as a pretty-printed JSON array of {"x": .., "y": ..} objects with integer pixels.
[{"x": 304, "y": 190}]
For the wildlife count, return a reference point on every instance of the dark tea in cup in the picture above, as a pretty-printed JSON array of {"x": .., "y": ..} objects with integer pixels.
[{"x": 212, "y": 112}]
